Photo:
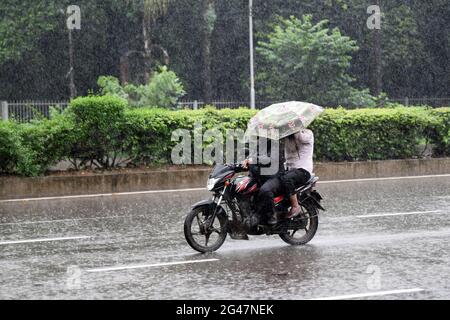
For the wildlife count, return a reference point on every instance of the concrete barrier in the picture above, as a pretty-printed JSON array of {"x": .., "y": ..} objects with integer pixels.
[{"x": 51, "y": 186}]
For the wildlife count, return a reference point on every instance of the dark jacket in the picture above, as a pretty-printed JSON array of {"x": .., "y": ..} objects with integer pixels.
[{"x": 265, "y": 161}]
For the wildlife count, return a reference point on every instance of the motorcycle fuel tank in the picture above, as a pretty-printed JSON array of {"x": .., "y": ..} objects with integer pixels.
[{"x": 245, "y": 186}]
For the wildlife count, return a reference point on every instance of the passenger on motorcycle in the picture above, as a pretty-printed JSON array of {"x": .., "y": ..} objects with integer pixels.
[{"x": 298, "y": 156}]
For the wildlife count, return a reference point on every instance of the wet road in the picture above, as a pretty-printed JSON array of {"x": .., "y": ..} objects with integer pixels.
[{"x": 383, "y": 239}]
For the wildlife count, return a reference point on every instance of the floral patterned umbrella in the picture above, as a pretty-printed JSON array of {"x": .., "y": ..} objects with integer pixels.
[{"x": 283, "y": 119}]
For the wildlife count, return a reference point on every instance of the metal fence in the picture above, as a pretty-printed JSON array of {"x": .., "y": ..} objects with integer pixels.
[
  {"x": 432, "y": 102},
  {"x": 223, "y": 104},
  {"x": 25, "y": 111}
]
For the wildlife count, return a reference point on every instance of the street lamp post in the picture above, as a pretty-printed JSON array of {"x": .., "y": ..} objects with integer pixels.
[{"x": 252, "y": 60}]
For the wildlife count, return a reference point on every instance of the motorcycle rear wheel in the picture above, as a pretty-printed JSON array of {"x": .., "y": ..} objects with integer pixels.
[
  {"x": 309, "y": 231},
  {"x": 196, "y": 231}
]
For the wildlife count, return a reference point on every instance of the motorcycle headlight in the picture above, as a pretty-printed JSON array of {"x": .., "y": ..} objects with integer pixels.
[{"x": 211, "y": 184}]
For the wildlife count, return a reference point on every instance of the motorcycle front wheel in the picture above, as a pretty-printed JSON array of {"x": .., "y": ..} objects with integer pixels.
[
  {"x": 300, "y": 237},
  {"x": 203, "y": 236}
]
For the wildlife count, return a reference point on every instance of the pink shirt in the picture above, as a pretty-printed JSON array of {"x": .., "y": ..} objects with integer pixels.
[{"x": 303, "y": 158}]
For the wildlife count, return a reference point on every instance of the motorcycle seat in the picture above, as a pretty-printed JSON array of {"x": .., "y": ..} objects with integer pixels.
[{"x": 310, "y": 182}]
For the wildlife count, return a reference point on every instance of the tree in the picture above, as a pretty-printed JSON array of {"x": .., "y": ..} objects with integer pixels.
[
  {"x": 152, "y": 10},
  {"x": 21, "y": 26},
  {"x": 402, "y": 50},
  {"x": 306, "y": 61},
  {"x": 163, "y": 90},
  {"x": 208, "y": 15}
]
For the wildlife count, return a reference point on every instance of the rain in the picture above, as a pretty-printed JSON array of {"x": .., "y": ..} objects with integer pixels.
[{"x": 95, "y": 194}]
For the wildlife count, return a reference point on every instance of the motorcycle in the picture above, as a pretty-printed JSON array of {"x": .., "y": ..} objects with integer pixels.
[{"x": 233, "y": 210}]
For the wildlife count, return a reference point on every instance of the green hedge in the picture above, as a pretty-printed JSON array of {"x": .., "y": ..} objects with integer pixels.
[
  {"x": 150, "y": 130},
  {"x": 370, "y": 134},
  {"x": 441, "y": 131},
  {"x": 10, "y": 147},
  {"x": 101, "y": 130}
]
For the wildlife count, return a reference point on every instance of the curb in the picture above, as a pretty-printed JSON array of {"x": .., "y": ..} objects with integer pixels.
[{"x": 53, "y": 186}]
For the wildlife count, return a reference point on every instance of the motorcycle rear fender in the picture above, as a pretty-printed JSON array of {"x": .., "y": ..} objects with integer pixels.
[{"x": 314, "y": 198}]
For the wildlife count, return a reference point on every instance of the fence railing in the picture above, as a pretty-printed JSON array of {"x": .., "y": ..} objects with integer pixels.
[
  {"x": 432, "y": 102},
  {"x": 25, "y": 111},
  {"x": 223, "y": 104}
]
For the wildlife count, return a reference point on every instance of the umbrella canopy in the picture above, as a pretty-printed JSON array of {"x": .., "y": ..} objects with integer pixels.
[{"x": 283, "y": 119}]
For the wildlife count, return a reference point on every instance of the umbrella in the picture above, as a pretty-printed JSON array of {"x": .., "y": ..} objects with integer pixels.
[{"x": 283, "y": 119}]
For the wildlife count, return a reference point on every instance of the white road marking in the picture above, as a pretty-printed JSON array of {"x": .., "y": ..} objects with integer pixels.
[
  {"x": 399, "y": 214},
  {"x": 371, "y": 294},
  {"x": 43, "y": 240},
  {"x": 375, "y": 215},
  {"x": 71, "y": 220},
  {"x": 102, "y": 195},
  {"x": 204, "y": 189},
  {"x": 386, "y": 179},
  {"x": 149, "y": 265}
]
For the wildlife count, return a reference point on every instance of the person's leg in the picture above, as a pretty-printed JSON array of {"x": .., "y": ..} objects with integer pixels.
[
  {"x": 294, "y": 180},
  {"x": 266, "y": 196}
]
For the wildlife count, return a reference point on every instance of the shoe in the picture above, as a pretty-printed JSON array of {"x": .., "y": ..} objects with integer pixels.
[
  {"x": 239, "y": 236},
  {"x": 272, "y": 220},
  {"x": 294, "y": 212}
]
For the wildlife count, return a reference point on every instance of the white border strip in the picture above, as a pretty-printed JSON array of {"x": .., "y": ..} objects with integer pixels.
[
  {"x": 100, "y": 195},
  {"x": 386, "y": 179},
  {"x": 70, "y": 220},
  {"x": 398, "y": 214},
  {"x": 149, "y": 266},
  {"x": 44, "y": 240},
  {"x": 203, "y": 189},
  {"x": 371, "y": 294}
]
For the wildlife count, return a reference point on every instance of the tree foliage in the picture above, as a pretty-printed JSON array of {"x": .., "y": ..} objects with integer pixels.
[
  {"x": 163, "y": 90},
  {"x": 308, "y": 61},
  {"x": 34, "y": 46}
]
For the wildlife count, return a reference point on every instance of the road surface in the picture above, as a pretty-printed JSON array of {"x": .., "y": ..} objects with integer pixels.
[{"x": 379, "y": 239}]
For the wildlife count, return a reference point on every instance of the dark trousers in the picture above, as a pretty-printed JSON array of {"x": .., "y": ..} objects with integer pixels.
[
  {"x": 269, "y": 190},
  {"x": 285, "y": 184},
  {"x": 294, "y": 179}
]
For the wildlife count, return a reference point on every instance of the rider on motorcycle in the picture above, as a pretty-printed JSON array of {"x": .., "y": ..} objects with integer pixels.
[
  {"x": 299, "y": 150},
  {"x": 298, "y": 154}
]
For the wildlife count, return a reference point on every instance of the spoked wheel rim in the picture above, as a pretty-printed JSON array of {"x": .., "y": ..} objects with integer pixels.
[
  {"x": 304, "y": 218},
  {"x": 203, "y": 234},
  {"x": 301, "y": 236},
  {"x": 203, "y": 231}
]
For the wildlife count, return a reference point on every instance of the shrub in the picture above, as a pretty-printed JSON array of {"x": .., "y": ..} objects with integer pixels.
[
  {"x": 9, "y": 147},
  {"x": 15, "y": 156},
  {"x": 98, "y": 129},
  {"x": 369, "y": 134},
  {"x": 441, "y": 131},
  {"x": 150, "y": 130},
  {"x": 163, "y": 90},
  {"x": 110, "y": 86},
  {"x": 48, "y": 141}
]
